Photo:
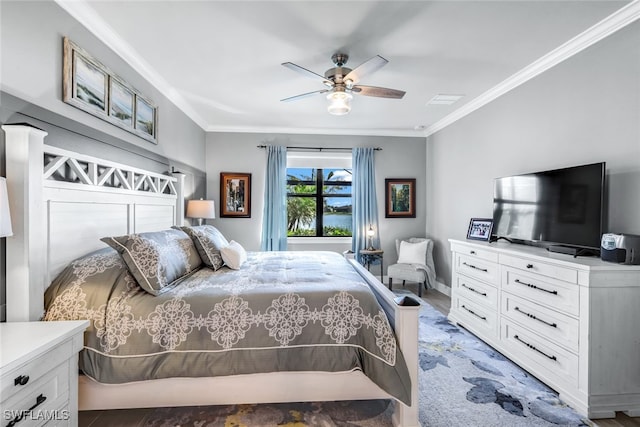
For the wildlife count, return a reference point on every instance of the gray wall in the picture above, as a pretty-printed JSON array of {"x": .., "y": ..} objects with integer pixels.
[
  {"x": 31, "y": 35},
  {"x": 238, "y": 152},
  {"x": 31, "y": 46},
  {"x": 585, "y": 110}
]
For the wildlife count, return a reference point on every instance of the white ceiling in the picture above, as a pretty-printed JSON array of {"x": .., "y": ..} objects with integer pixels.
[{"x": 220, "y": 61}]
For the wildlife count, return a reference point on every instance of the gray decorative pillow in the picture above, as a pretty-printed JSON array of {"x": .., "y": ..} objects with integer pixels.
[
  {"x": 158, "y": 259},
  {"x": 96, "y": 273},
  {"x": 208, "y": 240}
]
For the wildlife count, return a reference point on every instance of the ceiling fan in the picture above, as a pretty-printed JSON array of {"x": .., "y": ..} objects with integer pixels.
[{"x": 341, "y": 82}]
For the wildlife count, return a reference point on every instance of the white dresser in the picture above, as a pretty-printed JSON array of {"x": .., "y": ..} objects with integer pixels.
[
  {"x": 574, "y": 323},
  {"x": 39, "y": 372}
]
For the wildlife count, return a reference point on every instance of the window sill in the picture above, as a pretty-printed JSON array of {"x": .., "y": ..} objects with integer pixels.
[{"x": 317, "y": 240}]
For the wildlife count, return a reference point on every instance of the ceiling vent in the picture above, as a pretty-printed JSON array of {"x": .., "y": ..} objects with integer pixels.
[{"x": 444, "y": 99}]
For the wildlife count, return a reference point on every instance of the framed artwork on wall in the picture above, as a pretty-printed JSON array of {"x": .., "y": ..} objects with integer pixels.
[
  {"x": 235, "y": 195},
  {"x": 88, "y": 83},
  {"x": 145, "y": 117},
  {"x": 400, "y": 198},
  {"x": 93, "y": 88},
  {"x": 121, "y": 102},
  {"x": 480, "y": 229}
]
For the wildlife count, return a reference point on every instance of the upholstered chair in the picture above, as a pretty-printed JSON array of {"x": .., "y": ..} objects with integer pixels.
[{"x": 415, "y": 263}]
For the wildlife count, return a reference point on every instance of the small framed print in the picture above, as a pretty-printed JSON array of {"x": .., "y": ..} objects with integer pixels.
[
  {"x": 235, "y": 195},
  {"x": 400, "y": 198},
  {"x": 145, "y": 118},
  {"x": 121, "y": 102},
  {"x": 480, "y": 229},
  {"x": 86, "y": 81}
]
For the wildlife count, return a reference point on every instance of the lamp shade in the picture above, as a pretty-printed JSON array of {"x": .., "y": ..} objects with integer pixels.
[
  {"x": 5, "y": 216},
  {"x": 204, "y": 209}
]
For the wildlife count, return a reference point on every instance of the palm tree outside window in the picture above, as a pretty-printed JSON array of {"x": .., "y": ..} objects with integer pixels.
[{"x": 319, "y": 202}]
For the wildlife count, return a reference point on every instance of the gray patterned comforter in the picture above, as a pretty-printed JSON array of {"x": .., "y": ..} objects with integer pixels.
[{"x": 282, "y": 311}]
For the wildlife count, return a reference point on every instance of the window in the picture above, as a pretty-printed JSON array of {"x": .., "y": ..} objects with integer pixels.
[{"x": 319, "y": 194}]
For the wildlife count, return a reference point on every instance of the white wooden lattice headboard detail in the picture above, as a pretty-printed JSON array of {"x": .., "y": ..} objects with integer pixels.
[{"x": 63, "y": 202}]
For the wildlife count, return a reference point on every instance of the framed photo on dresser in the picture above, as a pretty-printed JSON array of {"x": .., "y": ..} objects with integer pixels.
[{"x": 480, "y": 229}]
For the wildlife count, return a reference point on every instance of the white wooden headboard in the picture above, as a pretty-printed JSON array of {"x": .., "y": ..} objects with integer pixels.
[{"x": 63, "y": 202}]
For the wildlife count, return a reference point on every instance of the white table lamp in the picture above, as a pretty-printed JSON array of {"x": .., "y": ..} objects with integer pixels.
[
  {"x": 370, "y": 233},
  {"x": 201, "y": 209},
  {"x": 5, "y": 215}
]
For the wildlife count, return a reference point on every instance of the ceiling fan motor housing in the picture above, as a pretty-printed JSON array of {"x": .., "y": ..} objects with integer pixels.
[{"x": 336, "y": 74}]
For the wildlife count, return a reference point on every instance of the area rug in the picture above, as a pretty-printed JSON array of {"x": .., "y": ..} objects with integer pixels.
[{"x": 463, "y": 382}]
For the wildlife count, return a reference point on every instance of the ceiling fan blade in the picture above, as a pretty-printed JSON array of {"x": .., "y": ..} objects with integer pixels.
[
  {"x": 365, "y": 68},
  {"x": 381, "y": 92},
  {"x": 305, "y": 72},
  {"x": 304, "y": 95}
]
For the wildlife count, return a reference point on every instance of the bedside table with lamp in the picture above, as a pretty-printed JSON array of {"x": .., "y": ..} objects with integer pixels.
[{"x": 370, "y": 255}]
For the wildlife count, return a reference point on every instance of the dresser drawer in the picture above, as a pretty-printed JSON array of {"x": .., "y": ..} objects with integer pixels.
[
  {"x": 550, "y": 270},
  {"x": 475, "y": 252},
  {"x": 19, "y": 378},
  {"x": 476, "y": 317},
  {"x": 538, "y": 355},
  {"x": 476, "y": 291},
  {"x": 560, "y": 328},
  {"x": 43, "y": 397},
  {"x": 480, "y": 269},
  {"x": 555, "y": 294}
]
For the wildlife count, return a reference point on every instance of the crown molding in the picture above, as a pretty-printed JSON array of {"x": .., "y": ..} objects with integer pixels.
[
  {"x": 609, "y": 25},
  {"x": 87, "y": 16},
  {"x": 317, "y": 131}
]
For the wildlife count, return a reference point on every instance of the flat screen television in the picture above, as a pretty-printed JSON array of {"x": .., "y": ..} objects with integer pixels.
[{"x": 561, "y": 208}]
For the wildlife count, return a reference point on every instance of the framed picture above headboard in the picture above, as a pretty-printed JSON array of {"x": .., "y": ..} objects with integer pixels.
[{"x": 93, "y": 88}]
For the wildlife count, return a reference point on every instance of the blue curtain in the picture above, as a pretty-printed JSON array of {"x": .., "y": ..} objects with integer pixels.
[
  {"x": 365, "y": 204},
  {"x": 274, "y": 218}
]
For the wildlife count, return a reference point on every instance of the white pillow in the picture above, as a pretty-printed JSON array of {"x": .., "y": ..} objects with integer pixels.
[
  {"x": 233, "y": 255},
  {"x": 412, "y": 253}
]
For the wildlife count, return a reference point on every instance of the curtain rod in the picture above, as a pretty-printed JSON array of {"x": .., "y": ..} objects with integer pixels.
[{"x": 319, "y": 148}]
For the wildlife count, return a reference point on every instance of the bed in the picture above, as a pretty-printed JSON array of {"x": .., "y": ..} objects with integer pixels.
[{"x": 64, "y": 202}]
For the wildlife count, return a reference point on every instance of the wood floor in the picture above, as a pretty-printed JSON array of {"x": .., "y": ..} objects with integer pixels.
[{"x": 440, "y": 301}]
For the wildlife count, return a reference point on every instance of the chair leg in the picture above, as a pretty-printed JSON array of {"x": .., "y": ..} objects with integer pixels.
[
  {"x": 390, "y": 283},
  {"x": 403, "y": 283},
  {"x": 419, "y": 289}
]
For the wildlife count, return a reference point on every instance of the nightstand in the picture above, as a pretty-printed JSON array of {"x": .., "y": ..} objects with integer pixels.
[
  {"x": 368, "y": 256},
  {"x": 39, "y": 372}
]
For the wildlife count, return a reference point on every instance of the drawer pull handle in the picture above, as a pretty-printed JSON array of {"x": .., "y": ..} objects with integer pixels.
[
  {"x": 39, "y": 401},
  {"x": 474, "y": 313},
  {"x": 534, "y": 348},
  {"x": 474, "y": 267},
  {"x": 473, "y": 290},
  {"x": 535, "y": 287},
  {"x": 529, "y": 265},
  {"x": 21, "y": 380},
  {"x": 553, "y": 325},
  {"x": 472, "y": 252}
]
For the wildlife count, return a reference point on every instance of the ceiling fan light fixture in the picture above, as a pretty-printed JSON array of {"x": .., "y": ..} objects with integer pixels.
[{"x": 339, "y": 103}]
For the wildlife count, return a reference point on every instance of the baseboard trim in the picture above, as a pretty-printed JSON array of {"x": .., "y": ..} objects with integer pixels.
[
  {"x": 442, "y": 288},
  {"x": 438, "y": 286}
]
